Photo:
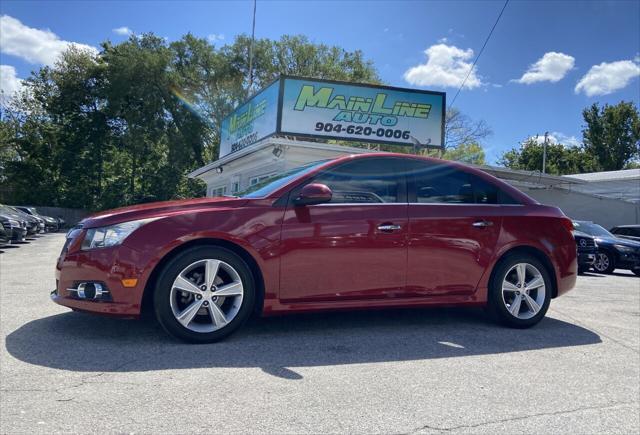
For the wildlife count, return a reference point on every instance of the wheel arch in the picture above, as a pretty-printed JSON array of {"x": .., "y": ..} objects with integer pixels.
[
  {"x": 147, "y": 296},
  {"x": 538, "y": 254}
]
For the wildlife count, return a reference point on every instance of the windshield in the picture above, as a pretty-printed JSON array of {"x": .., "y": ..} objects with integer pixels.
[
  {"x": 592, "y": 229},
  {"x": 271, "y": 184}
]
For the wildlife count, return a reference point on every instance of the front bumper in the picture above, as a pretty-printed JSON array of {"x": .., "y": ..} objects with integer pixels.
[
  {"x": 108, "y": 266},
  {"x": 18, "y": 234},
  {"x": 586, "y": 259}
]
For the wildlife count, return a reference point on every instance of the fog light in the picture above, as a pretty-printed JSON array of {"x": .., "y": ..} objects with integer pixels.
[{"x": 91, "y": 290}]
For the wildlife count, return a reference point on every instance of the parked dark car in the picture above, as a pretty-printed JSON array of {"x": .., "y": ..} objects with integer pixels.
[
  {"x": 50, "y": 223},
  {"x": 5, "y": 236},
  {"x": 587, "y": 250},
  {"x": 17, "y": 229},
  {"x": 32, "y": 222},
  {"x": 631, "y": 232},
  {"x": 613, "y": 252},
  {"x": 61, "y": 222}
]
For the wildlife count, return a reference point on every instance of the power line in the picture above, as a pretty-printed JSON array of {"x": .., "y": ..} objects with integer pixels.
[
  {"x": 480, "y": 52},
  {"x": 253, "y": 37}
]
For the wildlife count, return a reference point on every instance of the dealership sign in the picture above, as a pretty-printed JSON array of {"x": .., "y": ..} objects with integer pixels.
[{"x": 337, "y": 110}]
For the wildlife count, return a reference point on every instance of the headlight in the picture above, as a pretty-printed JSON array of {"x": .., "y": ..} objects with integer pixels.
[
  {"x": 625, "y": 249},
  {"x": 14, "y": 223},
  {"x": 112, "y": 235}
]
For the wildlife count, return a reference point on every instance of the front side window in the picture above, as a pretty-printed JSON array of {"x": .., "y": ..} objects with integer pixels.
[{"x": 372, "y": 180}]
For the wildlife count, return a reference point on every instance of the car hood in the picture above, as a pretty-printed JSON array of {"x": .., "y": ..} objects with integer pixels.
[
  {"x": 581, "y": 234},
  {"x": 618, "y": 241},
  {"x": 158, "y": 209}
]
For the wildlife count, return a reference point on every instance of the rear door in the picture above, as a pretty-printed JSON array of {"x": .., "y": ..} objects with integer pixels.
[
  {"x": 353, "y": 247},
  {"x": 454, "y": 224}
]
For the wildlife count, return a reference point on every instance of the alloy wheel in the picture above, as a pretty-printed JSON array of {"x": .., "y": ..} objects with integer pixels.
[
  {"x": 602, "y": 262},
  {"x": 206, "y": 295},
  {"x": 523, "y": 291}
]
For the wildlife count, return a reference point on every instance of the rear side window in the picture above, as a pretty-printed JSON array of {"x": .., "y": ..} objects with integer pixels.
[
  {"x": 365, "y": 181},
  {"x": 435, "y": 183}
]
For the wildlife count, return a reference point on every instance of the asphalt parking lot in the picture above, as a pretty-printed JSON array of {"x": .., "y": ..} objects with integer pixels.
[{"x": 417, "y": 371}]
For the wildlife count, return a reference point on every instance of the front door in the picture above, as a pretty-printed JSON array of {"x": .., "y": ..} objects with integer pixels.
[{"x": 353, "y": 247}]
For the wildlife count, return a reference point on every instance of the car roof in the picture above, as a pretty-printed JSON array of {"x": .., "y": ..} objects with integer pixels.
[{"x": 453, "y": 164}]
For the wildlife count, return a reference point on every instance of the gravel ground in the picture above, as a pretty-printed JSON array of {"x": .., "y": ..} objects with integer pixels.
[{"x": 413, "y": 371}]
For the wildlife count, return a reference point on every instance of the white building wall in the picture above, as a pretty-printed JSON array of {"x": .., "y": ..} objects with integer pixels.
[
  {"x": 603, "y": 211},
  {"x": 264, "y": 162}
]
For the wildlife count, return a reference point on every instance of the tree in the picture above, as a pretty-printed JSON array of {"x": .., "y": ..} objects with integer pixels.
[
  {"x": 561, "y": 159},
  {"x": 612, "y": 135},
  {"x": 127, "y": 124},
  {"x": 471, "y": 153},
  {"x": 459, "y": 129}
]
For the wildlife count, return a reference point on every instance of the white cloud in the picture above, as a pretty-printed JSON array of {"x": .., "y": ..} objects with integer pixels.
[
  {"x": 557, "y": 137},
  {"x": 124, "y": 31},
  {"x": 606, "y": 78},
  {"x": 9, "y": 82},
  {"x": 552, "y": 67},
  {"x": 215, "y": 37},
  {"x": 33, "y": 45},
  {"x": 446, "y": 66}
]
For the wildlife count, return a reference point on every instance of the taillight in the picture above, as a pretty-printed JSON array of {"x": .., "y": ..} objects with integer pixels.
[{"x": 567, "y": 224}]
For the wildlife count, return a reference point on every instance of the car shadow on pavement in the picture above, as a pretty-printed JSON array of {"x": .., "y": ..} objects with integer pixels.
[{"x": 81, "y": 342}]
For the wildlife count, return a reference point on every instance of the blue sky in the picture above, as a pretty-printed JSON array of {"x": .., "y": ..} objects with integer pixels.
[{"x": 428, "y": 45}]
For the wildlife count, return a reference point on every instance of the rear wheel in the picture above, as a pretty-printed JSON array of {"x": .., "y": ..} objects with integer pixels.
[
  {"x": 204, "y": 294},
  {"x": 520, "y": 291},
  {"x": 604, "y": 263}
]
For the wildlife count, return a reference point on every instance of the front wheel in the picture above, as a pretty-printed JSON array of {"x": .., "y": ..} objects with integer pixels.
[
  {"x": 604, "y": 263},
  {"x": 520, "y": 291},
  {"x": 204, "y": 294}
]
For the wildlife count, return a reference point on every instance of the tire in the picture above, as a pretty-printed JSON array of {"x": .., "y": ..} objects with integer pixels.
[
  {"x": 500, "y": 302},
  {"x": 202, "y": 322},
  {"x": 605, "y": 263},
  {"x": 636, "y": 271}
]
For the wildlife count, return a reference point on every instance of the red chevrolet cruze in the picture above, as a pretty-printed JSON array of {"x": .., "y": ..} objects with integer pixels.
[{"x": 366, "y": 231}]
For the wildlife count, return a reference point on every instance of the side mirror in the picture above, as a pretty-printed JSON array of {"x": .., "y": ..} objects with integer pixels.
[{"x": 314, "y": 193}]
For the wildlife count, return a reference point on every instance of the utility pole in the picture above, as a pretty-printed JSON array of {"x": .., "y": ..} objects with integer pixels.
[
  {"x": 253, "y": 35},
  {"x": 544, "y": 152}
]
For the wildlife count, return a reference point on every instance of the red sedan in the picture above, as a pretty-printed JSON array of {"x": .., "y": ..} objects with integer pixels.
[{"x": 367, "y": 231}]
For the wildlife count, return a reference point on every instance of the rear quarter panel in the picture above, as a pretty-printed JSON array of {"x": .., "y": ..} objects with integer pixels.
[{"x": 539, "y": 227}]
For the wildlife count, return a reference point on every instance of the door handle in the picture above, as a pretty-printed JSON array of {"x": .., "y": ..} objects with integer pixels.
[
  {"x": 482, "y": 224},
  {"x": 388, "y": 228}
]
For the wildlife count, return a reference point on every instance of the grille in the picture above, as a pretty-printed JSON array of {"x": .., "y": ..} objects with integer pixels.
[
  {"x": 6, "y": 225},
  {"x": 585, "y": 243}
]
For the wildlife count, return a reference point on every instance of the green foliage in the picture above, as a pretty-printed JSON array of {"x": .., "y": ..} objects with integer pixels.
[
  {"x": 471, "y": 153},
  {"x": 612, "y": 135},
  {"x": 611, "y": 139},
  {"x": 561, "y": 159},
  {"x": 128, "y": 124}
]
